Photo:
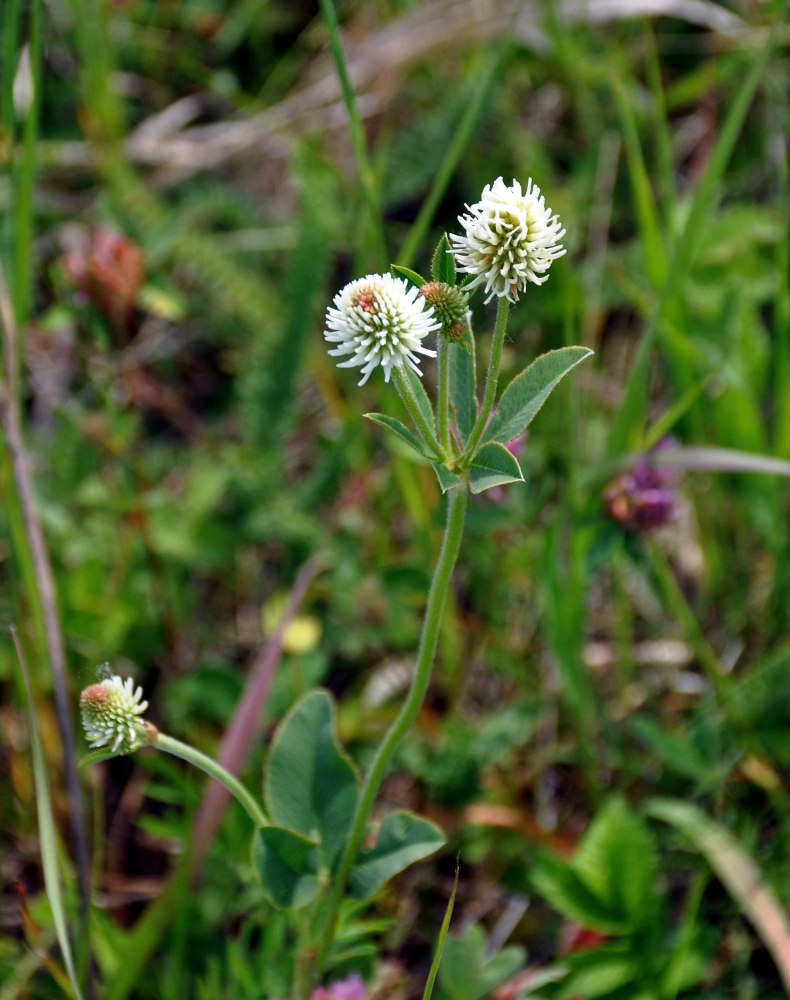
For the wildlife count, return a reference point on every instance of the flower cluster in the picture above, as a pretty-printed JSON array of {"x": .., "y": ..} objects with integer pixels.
[
  {"x": 645, "y": 497},
  {"x": 380, "y": 320},
  {"x": 111, "y": 713},
  {"x": 510, "y": 239}
]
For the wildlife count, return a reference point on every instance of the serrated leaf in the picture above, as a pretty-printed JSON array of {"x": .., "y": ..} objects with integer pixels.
[
  {"x": 616, "y": 860},
  {"x": 310, "y": 785},
  {"x": 408, "y": 274},
  {"x": 287, "y": 865},
  {"x": 563, "y": 889},
  {"x": 462, "y": 387},
  {"x": 403, "y": 839},
  {"x": 403, "y": 432},
  {"x": 493, "y": 465},
  {"x": 447, "y": 480},
  {"x": 443, "y": 263},
  {"x": 529, "y": 390}
]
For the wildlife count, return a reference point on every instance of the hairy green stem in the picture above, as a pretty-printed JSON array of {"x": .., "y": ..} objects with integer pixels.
[
  {"x": 451, "y": 543},
  {"x": 443, "y": 407},
  {"x": 406, "y": 393},
  {"x": 492, "y": 377},
  {"x": 214, "y": 770}
]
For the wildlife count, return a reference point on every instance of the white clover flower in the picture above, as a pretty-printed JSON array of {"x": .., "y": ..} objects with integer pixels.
[
  {"x": 380, "y": 320},
  {"x": 511, "y": 239},
  {"x": 111, "y": 713}
]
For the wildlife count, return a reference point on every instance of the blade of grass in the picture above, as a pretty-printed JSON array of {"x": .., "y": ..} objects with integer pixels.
[
  {"x": 46, "y": 829},
  {"x": 481, "y": 91},
  {"x": 630, "y": 417},
  {"x": 428, "y": 991},
  {"x": 663, "y": 139},
  {"x": 644, "y": 202},
  {"x": 738, "y": 873},
  {"x": 364, "y": 168}
]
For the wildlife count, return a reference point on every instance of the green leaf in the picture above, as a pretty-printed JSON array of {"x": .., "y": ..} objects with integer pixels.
[
  {"x": 529, "y": 391},
  {"x": 403, "y": 432},
  {"x": 563, "y": 889},
  {"x": 287, "y": 864},
  {"x": 493, "y": 465},
  {"x": 447, "y": 480},
  {"x": 616, "y": 859},
  {"x": 310, "y": 785},
  {"x": 443, "y": 263},
  {"x": 466, "y": 973},
  {"x": 406, "y": 272},
  {"x": 460, "y": 358},
  {"x": 403, "y": 839},
  {"x": 609, "y": 883},
  {"x": 421, "y": 398}
]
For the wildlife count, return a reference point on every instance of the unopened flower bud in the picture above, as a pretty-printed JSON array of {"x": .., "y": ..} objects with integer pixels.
[
  {"x": 450, "y": 306},
  {"x": 111, "y": 715}
]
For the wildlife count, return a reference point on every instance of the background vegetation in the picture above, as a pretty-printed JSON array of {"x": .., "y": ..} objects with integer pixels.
[{"x": 605, "y": 741}]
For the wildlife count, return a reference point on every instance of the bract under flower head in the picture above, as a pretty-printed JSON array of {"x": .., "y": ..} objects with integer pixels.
[
  {"x": 511, "y": 239},
  {"x": 111, "y": 713},
  {"x": 379, "y": 320}
]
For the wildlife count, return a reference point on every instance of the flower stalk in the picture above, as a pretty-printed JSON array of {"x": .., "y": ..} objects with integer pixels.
[{"x": 451, "y": 543}]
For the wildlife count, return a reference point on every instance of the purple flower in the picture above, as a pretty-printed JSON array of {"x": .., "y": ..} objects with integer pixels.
[{"x": 644, "y": 497}]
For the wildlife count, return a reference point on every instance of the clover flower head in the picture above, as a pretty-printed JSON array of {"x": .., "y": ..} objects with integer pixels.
[
  {"x": 111, "y": 713},
  {"x": 510, "y": 239},
  {"x": 379, "y": 320}
]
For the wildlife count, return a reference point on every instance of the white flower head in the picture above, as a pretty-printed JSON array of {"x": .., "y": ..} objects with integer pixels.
[
  {"x": 380, "y": 320},
  {"x": 111, "y": 713},
  {"x": 510, "y": 239}
]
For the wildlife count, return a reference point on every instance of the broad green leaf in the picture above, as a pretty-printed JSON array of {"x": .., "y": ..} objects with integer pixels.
[
  {"x": 466, "y": 973},
  {"x": 443, "y": 263},
  {"x": 310, "y": 785},
  {"x": 403, "y": 839},
  {"x": 287, "y": 864},
  {"x": 406, "y": 272},
  {"x": 616, "y": 860},
  {"x": 403, "y": 432},
  {"x": 447, "y": 480},
  {"x": 529, "y": 391},
  {"x": 462, "y": 388},
  {"x": 493, "y": 465},
  {"x": 599, "y": 972},
  {"x": 563, "y": 889}
]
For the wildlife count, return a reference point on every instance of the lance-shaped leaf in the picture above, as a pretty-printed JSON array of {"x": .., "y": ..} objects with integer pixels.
[
  {"x": 529, "y": 391},
  {"x": 287, "y": 864},
  {"x": 401, "y": 431},
  {"x": 443, "y": 263},
  {"x": 406, "y": 272},
  {"x": 310, "y": 785},
  {"x": 403, "y": 839},
  {"x": 462, "y": 387},
  {"x": 493, "y": 465},
  {"x": 423, "y": 404}
]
